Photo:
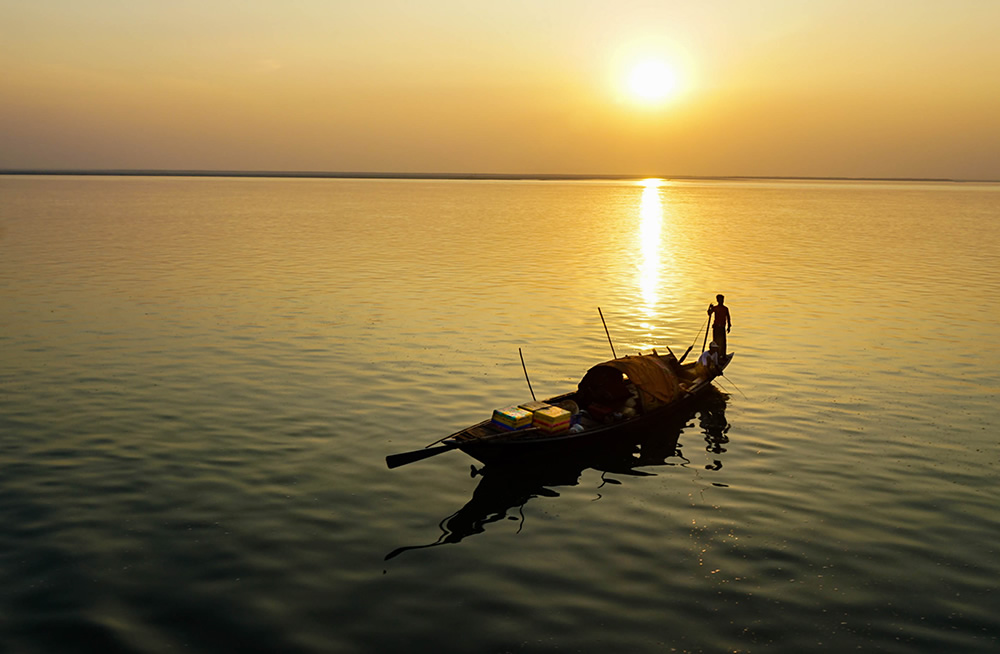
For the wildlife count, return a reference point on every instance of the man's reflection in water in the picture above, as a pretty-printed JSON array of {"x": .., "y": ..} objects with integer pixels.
[{"x": 714, "y": 426}]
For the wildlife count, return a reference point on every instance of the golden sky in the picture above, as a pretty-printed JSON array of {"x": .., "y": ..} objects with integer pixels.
[{"x": 868, "y": 88}]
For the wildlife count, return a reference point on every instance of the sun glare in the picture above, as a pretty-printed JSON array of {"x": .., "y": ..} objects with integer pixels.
[{"x": 652, "y": 82}]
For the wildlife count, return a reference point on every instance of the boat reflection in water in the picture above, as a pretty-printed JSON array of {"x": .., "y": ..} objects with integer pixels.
[{"x": 503, "y": 491}]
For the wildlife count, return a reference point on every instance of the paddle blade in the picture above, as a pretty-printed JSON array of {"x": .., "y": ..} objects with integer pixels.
[
  {"x": 396, "y": 460},
  {"x": 685, "y": 355}
]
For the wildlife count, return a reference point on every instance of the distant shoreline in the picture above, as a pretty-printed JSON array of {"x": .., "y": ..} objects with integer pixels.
[{"x": 461, "y": 176}]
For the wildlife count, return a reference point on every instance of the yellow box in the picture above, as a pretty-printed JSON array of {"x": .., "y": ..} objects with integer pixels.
[
  {"x": 551, "y": 419},
  {"x": 512, "y": 417}
]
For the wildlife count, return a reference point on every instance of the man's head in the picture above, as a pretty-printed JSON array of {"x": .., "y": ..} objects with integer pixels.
[
  {"x": 713, "y": 346},
  {"x": 720, "y": 298}
]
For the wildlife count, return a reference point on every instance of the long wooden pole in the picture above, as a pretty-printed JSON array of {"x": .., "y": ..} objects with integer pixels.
[
  {"x": 525, "y": 368},
  {"x": 607, "y": 332},
  {"x": 706, "y": 329},
  {"x": 688, "y": 351}
]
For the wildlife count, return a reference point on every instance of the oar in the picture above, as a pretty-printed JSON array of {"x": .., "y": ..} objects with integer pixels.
[
  {"x": 403, "y": 458},
  {"x": 396, "y": 460},
  {"x": 607, "y": 332}
]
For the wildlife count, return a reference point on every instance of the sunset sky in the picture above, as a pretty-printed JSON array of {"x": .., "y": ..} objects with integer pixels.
[{"x": 866, "y": 88}]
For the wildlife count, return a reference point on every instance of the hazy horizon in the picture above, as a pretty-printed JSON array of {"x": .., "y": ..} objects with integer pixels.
[
  {"x": 780, "y": 89},
  {"x": 446, "y": 175}
]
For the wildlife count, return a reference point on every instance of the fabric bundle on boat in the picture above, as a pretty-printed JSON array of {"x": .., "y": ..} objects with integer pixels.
[{"x": 655, "y": 379}]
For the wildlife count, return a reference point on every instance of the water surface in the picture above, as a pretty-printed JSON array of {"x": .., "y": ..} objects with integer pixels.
[{"x": 201, "y": 378}]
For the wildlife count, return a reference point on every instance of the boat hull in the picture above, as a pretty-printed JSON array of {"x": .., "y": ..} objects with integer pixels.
[{"x": 518, "y": 450}]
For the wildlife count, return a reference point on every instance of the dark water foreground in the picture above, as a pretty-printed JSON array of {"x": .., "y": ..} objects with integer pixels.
[{"x": 201, "y": 378}]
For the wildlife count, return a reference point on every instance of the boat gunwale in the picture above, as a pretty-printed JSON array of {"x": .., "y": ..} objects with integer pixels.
[{"x": 517, "y": 438}]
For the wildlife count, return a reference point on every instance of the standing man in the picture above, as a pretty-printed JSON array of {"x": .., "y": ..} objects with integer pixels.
[{"x": 723, "y": 323}]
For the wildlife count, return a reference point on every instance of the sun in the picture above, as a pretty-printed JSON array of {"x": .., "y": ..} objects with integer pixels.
[{"x": 652, "y": 82}]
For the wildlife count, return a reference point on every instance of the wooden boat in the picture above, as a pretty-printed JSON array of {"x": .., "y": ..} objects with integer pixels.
[{"x": 616, "y": 399}]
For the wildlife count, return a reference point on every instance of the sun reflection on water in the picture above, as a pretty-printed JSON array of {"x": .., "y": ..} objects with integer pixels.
[
  {"x": 655, "y": 271},
  {"x": 650, "y": 226}
]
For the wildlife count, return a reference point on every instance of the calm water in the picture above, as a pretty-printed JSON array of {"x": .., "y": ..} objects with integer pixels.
[{"x": 201, "y": 378}]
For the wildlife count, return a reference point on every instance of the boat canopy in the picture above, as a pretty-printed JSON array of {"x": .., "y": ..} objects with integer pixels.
[{"x": 654, "y": 376}]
